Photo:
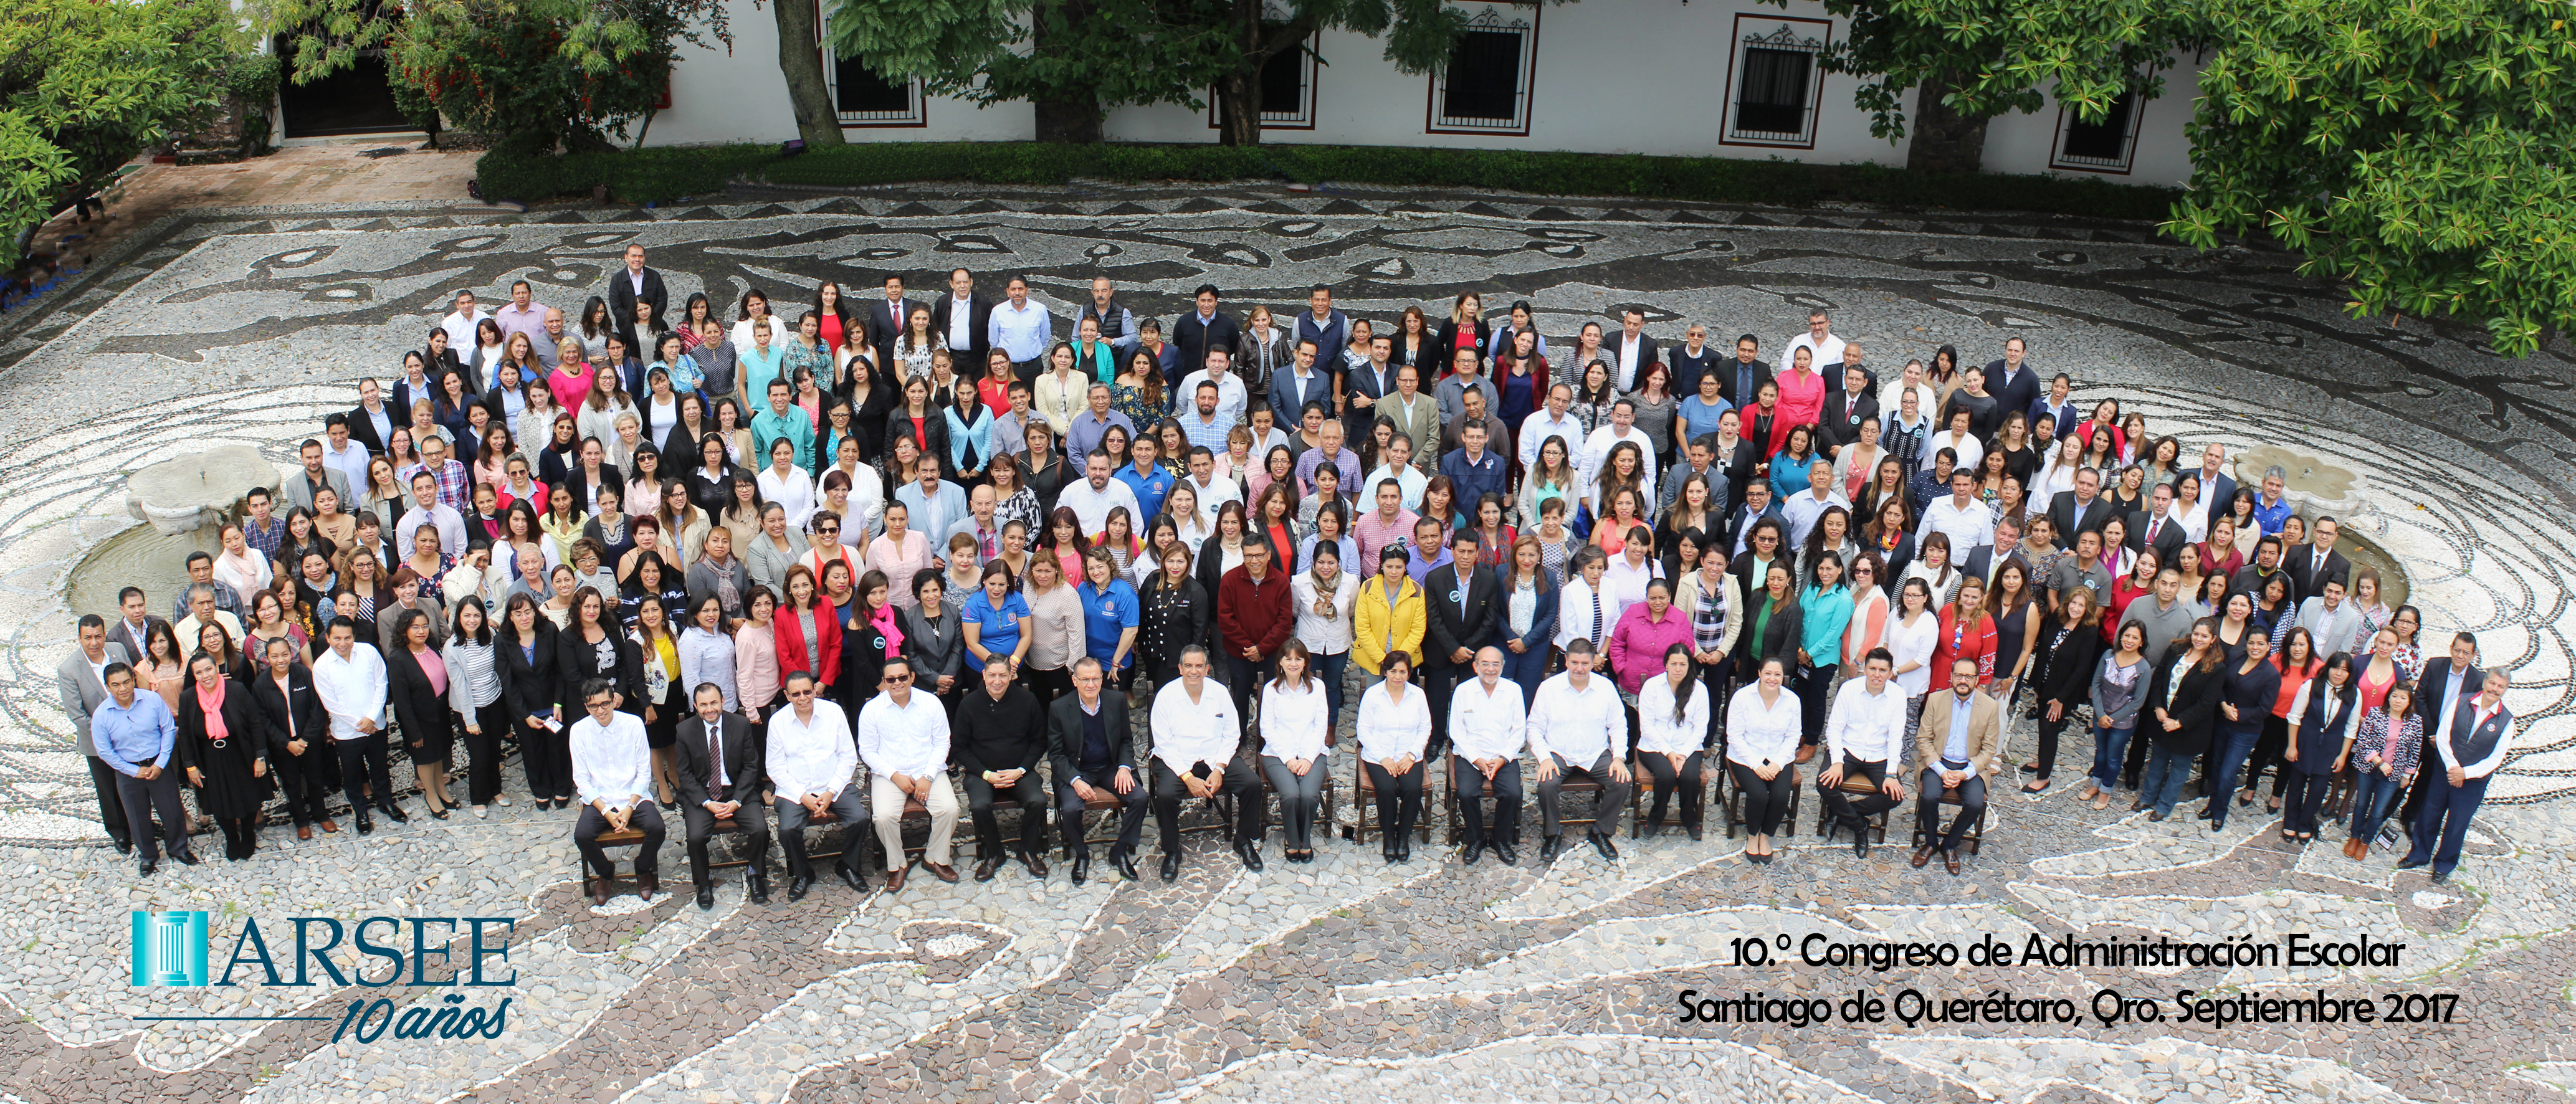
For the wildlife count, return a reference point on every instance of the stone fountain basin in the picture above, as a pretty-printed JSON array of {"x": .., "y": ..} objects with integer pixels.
[{"x": 194, "y": 493}]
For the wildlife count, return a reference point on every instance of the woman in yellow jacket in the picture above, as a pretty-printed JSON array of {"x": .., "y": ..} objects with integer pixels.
[{"x": 1388, "y": 617}]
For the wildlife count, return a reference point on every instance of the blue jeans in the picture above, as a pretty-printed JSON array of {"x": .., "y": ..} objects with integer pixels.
[
  {"x": 2167, "y": 772},
  {"x": 2235, "y": 744},
  {"x": 2374, "y": 796},
  {"x": 2109, "y": 744},
  {"x": 1330, "y": 669},
  {"x": 1526, "y": 669}
]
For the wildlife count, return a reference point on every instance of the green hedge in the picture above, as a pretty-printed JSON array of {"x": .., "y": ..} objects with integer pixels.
[{"x": 666, "y": 174}]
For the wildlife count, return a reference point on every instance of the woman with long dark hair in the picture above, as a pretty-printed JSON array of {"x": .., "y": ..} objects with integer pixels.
[
  {"x": 473, "y": 698},
  {"x": 1296, "y": 717},
  {"x": 1672, "y": 728},
  {"x": 2326, "y": 711}
]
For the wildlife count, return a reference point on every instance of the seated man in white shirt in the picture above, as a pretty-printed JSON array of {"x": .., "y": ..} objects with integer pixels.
[
  {"x": 1488, "y": 720},
  {"x": 812, "y": 764},
  {"x": 1570, "y": 727},
  {"x": 903, "y": 736},
  {"x": 1198, "y": 750},
  {"x": 612, "y": 770},
  {"x": 1865, "y": 738}
]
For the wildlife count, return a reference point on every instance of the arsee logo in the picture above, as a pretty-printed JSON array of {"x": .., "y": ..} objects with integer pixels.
[{"x": 170, "y": 948}]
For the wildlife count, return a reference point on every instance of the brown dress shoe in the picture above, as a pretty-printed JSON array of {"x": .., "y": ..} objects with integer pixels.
[
  {"x": 599, "y": 892},
  {"x": 304, "y": 831},
  {"x": 894, "y": 880},
  {"x": 647, "y": 887},
  {"x": 329, "y": 825},
  {"x": 1806, "y": 752},
  {"x": 1950, "y": 862},
  {"x": 1037, "y": 865},
  {"x": 944, "y": 872},
  {"x": 1922, "y": 855},
  {"x": 984, "y": 869}
]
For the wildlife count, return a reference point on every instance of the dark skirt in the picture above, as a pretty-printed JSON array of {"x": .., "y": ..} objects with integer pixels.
[{"x": 231, "y": 790}]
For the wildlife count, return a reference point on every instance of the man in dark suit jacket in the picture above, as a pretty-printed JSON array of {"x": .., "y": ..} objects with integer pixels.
[
  {"x": 1847, "y": 409},
  {"x": 2216, "y": 486},
  {"x": 1632, "y": 327},
  {"x": 2154, "y": 527},
  {"x": 887, "y": 314},
  {"x": 1463, "y": 615},
  {"x": 2082, "y": 510},
  {"x": 2443, "y": 685},
  {"x": 623, "y": 291},
  {"x": 979, "y": 318},
  {"x": 82, "y": 693},
  {"x": 1740, "y": 380},
  {"x": 1197, "y": 332},
  {"x": 295, "y": 716},
  {"x": 2013, "y": 383},
  {"x": 1091, "y": 751},
  {"x": 124, "y": 631},
  {"x": 709, "y": 794},
  {"x": 2311, "y": 565}
]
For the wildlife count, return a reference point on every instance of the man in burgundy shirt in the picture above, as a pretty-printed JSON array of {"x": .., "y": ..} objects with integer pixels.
[{"x": 1253, "y": 618}]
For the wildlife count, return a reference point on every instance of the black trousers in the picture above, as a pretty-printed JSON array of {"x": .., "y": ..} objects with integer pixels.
[
  {"x": 1853, "y": 814},
  {"x": 483, "y": 754},
  {"x": 648, "y": 858},
  {"x": 2134, "y": 765},
  {"x": 698, "y": 824},
  {"x": 1243, "y": 679},
  {"x": 1241, "y": 780},
  {"x": 2049, "y": 733},
  {"x": 1764, "y": 802},
  {"x": 362, "y": 763},
  {"x": 851, "y": 805},
  {"x": 1927, "y": 807},
  {"x": 1029, "y": 791},
  {"x": 1069, "y": 808},
  {"x": 1399, "y": 798},
  {"x": 306, "y": 780},
  {"x": 1440, "y": 682},
  {"x": 2299, "y": 804},
  {"x": 2267, "y": 756},
  {"x": 1666, "y": 780},
  {"x": 1471, "y": 787},
  {"x": 1815, "y": 695},
  {"x": 547, "y": 757},
  {"x": 111, "y": 808},
  {"x": 141, "y": 799},
  {"x": 1716, "y": 675}
]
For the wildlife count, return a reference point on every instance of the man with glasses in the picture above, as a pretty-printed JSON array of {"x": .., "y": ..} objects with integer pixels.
[
  {"x": 612, "y": 769},
  {"x": 812, "y": 765},
  {"x": 903, "y": 736}
]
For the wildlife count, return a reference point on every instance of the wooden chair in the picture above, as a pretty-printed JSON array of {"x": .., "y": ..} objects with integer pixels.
[
  {"x": 1857, "y": 786},
  {"x": 1364, "y": 801},
  {"x": 1973, "y": 840},
  {"x": 1458, "y": 815},
  {"x": 1641, "y": 786},
  {"x": 1731, "y": 798},
  {"x": 629, "y": 837}
]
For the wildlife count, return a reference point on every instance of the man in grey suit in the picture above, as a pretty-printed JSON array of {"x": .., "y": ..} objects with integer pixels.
[
  {"x": 298, "y": 490},
  {"x": 78, "y": 678}
]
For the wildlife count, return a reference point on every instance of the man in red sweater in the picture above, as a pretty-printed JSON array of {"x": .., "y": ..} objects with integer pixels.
[{"x": 1253, "y": 618}]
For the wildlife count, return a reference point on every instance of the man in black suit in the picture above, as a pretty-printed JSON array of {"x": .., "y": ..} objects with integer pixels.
[
  {"x": 1632, "y": 350},
  {"x": 2082, "y": 510},
  {"x": 1206, "y": 329},
  {"x": 887, "y": 315},
  {"x": 2216, "y": 486},
  {"x": 633, "y": 283},
  {"x": 2154, "y": 527},
  {"x": 1740, "y": 380},
  {"x": 2311, "y": 565},
  {"x": 132, "y": 630},
  {"x": 721, "y": 772},
  {"x": 1091, "y": 747},
  {"x": 1848, "y": 409},
  {"x": 299, "y": 736},
  {"x": 1852, "y": 356},
  {"x": 965, "y": 339},
  {"x": 1000, "y": 736},
  {"x": 1465, "y": 607},
  {"x": 2013, "y": 384},
  {"x": 2445, "y": 683}
]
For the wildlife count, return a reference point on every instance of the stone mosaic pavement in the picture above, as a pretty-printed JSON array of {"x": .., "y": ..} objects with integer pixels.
[{"x": 1347, "y": 979}]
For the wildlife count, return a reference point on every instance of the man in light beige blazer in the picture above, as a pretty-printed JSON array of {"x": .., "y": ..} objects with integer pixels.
[{"x": 1958, "y": 743}]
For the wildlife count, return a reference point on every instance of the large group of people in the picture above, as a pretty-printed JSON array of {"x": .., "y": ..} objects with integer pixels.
[{"x": 835, "y": 563}]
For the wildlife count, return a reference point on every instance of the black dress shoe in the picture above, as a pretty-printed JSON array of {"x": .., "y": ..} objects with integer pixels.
[
  {"x": 125, "y": 847},
  {"x": 1549, "y": 848},
  {"x": 759, "y": 890},
  {"x": 798, "y": 887},
  {"x": 149, "y": 866},
  {"x": 393, "y": 812},
  {"x": 1860, "y": 840},
  {"x": 1504, "y": 850},
  {"x": 984, "y": 869},
  {"x": 1404, "y": 848},
  {"x": 706, "y": 895},
  {"x": 1474, "y": 851},
  {"x": 1126, "y": 864},
  {"x": 1251, "y": 853},
  {"x": 1601, "y": 843},
  {"x": 1171, "y": 867},
  {"x": 2410, "y": 863},
  {"x": 851, "y": 878},
  {"x": 366, "y": 824},
  {"x": 1081, "y": 866}
]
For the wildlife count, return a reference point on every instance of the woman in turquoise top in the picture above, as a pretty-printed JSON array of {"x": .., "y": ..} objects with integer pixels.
[
  {"x": 1824, "y": 610},
  {"x": 996, "y": 620},
  {"x": 685, "y": 374},
  {"x": 1092, "y": 356},
  {"x": 1789, "y": 469}
]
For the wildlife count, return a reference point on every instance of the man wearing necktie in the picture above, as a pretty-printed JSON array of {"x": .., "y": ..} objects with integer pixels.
[
  {"x": 2154, "y": 527},
  {"x": 720, "y": 779}
]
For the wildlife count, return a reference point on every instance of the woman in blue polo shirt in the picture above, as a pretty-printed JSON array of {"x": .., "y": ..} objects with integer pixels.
[
  {"x": 996, "y": 620},
  {"x": 1109, "y": 614}
]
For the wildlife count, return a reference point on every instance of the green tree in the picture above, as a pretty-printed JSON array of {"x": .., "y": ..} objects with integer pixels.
[
  {"x": 1079, "y": 58},
  {"x": 87, "y": 84}
]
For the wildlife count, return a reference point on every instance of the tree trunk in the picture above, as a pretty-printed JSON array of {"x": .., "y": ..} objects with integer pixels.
[
  {"x": 1944, "y": 140},
  {"x": 801, "y": 61},
  {"x": 1238, "y": 107}
]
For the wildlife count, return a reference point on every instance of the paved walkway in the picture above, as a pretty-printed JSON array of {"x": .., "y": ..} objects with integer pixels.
[{"x": 335, "y": 173}]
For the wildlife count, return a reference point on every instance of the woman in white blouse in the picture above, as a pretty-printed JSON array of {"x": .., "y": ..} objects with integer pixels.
[
  {"x": 240, "y": 568},
  {"x": 1394, "y": 726},
  {"x": 786, "y": 484},
  {"x": 2059, "y": 473},
  {"x": 1324, "y": 595},
  {"x": 1911, "y": 636},
  {"x": 1672, "y": 726},
  {"x": 1294, "y": 717},
  {"x": 1762, "y": 731}
]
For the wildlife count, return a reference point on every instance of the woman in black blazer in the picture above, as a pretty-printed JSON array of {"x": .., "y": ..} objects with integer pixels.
[
  {"x": 2068, "y": 650},
  {"x": 1779, "y": 636},
  {"x": 933, "y": 436},
  {"x": 1444, "y": 344},
  {"x": 524, "y": 646},
  {"x": 593, "y": 646},
  {"x": 419, "y": 706},
  {"x": 577, "y": 480},
  {"x": 2181, "y": 712}
]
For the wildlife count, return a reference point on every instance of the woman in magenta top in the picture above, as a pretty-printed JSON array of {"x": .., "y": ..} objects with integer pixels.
[
  {"x": 1645, "y": 631},
  {"x": 1802, "y": 397},
  {"x": 572, "y": 376}
]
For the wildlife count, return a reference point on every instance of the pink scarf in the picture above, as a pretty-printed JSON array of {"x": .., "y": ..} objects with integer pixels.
[
  {"x": 886, "y": 622},
  {"x": 210, "y": 698}
]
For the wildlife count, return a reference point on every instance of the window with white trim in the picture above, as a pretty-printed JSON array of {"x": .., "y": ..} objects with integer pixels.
[
  {"x": 1287, "y": 87},
  {"x": 1485, "y": 87},
  {"x": 2107, "y": 146},
  {"x": 1775, "y": 82}
]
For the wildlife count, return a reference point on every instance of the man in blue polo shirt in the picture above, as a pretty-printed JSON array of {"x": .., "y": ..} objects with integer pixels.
[{"x": 1151, "y": 481}]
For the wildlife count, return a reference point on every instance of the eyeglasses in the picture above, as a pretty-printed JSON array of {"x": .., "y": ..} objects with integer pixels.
[
  {"x": 897, "y": 680},
  {"x": 828, "y": 530},
  {"x": 801, "y": 694}
]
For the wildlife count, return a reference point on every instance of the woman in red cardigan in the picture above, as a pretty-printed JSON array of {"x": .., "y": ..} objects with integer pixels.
[
  {"x": 1967, "y": 632},
  {"x": 808, "y": 630}
]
